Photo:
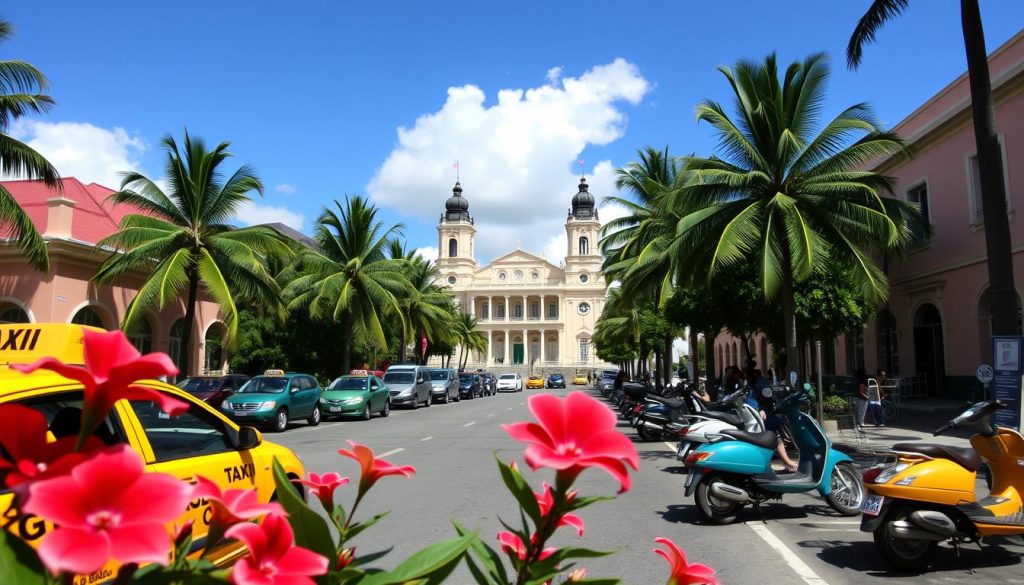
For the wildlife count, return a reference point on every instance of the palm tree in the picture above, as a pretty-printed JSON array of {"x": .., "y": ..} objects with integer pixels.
[
  {"x": 998, "y": 245},
  {"x": 350, "y": 280},
  {"x": 785, "y": 196},
  {"x": 469, "y": 338},
  {"x": 183, "y": 241},
  {"x": 424, "y": 305},
  {"x": 22, "y": 91}
]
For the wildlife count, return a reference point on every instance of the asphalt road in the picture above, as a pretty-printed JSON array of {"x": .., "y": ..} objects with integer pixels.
[{"x": 801, "y": 540}]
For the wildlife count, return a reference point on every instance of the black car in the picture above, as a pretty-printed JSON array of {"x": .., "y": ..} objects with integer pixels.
[
  {"x": 213, "y": 389},
  {"x": 556, "y": 381},
  {"x": 490, "y": 383},
  {"x": 470, "y": 385}
]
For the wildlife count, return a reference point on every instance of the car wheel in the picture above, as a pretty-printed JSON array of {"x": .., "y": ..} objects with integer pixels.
[
  {"x": 314, "y": 417},
  {"x": 281, "y": 421},
  {"x": 447, "y": 398},
  {"x": 387, "y": 409},
  {"x": 414, "y": 403},
  {"x": 428, "y": 401},
  {"x": 365, "y": 415}
]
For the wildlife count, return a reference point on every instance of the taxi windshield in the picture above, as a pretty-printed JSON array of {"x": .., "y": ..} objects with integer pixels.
[
  {"x": 265, "y": 385},
  {"x": 199, "y": 385},
  {"x": 438, "y": 375},
  {"x": 399, "y": 377},
  {"x": 348, "y": 383}
]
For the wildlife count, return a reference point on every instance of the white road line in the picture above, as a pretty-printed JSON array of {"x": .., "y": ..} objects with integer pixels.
[
  {"x": 670, "y": 446},
  {"x": 469, "y": 424},
  {"x": 830, "y": 522},
  {"x": 425, "y": 439},
  {"x": 489, "y": 415},
  {"x": 509, "y": 408},
  {"x": 806, "y": 574},
  {"x": 391, "y": 452}
]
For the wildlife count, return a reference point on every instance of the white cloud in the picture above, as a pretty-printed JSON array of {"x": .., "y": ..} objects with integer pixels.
[
  {"x": 286, "y": 189},
  {"x": 428, "y": 253},
  {"x": 78, "y": 149},
  {"x": 517, "y": 156},
  {"x": 250, "y": 213}
]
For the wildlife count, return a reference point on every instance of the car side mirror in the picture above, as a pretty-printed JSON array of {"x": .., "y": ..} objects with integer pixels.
[{"x": 249, "y": 438}]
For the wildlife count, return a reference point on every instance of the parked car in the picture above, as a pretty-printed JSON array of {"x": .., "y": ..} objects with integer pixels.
[
  {"x": 580, "y": 380},
  {"x": 510, "y": 382},
  {"x": 274, "y": 399},
  {"x": 606, "y": 381},
  {"x": 556, "y": 381},
  {"x": 444, "y": 384},
  {"x": 359, "y": 394},
  {"x": 470, "y": 385},
  {"x": 213, "y": 389},
  {"x": 535, "y": 383},
  {"x": 490, "y": 383},
  {"x": 409, "y": 385}
]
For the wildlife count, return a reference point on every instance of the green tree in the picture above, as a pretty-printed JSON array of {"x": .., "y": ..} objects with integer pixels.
[
  {"x": 468, "y": 337},
  {"x": 22, "y": 91},
  {"x": 998, "y": 245},
  {"x": 786, "y": 197},
  {"x": 183, "y": 242},
  {"x": 424, "y": 306},
  {"x": 350, "y": 280}
]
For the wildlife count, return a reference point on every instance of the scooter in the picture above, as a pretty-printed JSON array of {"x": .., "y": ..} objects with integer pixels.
[
  {"x": 927, "y": 495},
  {"x": 725, "y": 475},
  {"x": 710, "y": 423}
]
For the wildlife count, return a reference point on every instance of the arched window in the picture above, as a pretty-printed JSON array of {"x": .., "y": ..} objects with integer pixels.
[
  {"x": 174, "y": 349},
  {"x": 213, "y": 360},
  {"x": 88, "y": 316},
  {"x": 453, "y": 248},
  {"x": 141, "y": 336},
  {"x": 518, "y": 314},
  {"x": 485, "y": 311},
  {"x": 13, "y": 314},
  {"x": 584, "y": 246}
]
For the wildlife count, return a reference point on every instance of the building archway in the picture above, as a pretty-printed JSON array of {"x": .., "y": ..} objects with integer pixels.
[
  {"x": 141, "y": 335},
  {"x": 89, "y": 316},
  {"x": 929, "y": 352},
  {"x": 213, "y": 347},
  {"x": 453, "y": 248},
  {"x": 584, "y": 246},
  {"x": 13, "y": 312}
]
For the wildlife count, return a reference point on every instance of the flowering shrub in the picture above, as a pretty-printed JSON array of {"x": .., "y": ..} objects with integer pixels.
[{"x": 108, "y": 508}]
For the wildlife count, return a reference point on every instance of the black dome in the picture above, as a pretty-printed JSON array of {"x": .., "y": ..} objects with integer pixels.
[
  {"x": 457, "y": 207},
  {"x": 583, "y": 201}
]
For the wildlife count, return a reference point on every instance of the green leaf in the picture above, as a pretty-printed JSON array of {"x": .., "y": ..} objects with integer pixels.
[
  {"x": 600, "y": 581},
  {"x": 487, "y": 556},
  {"x": 563, "y": 554},
  {"x": 371, "y": 557},
  {"x": 19, "y": 563},
  {"x": 438, "y": 559},
  {"x": 355, "y": 529},
  {"x": 310, "y": 528},
  {"x": 578, "y": 503},
  {"x": 520, "y": 490}
]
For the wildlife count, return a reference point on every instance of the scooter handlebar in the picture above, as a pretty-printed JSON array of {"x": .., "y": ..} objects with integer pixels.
[{"x": 946, "y": 427}]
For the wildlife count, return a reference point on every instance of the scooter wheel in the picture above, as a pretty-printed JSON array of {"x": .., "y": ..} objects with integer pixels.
[
  {"x": 644, "y": 433},
  {"x": 903, "y": 554},
  {"x": 847, "y": 490},
  {"x": 712, "y": 509}
]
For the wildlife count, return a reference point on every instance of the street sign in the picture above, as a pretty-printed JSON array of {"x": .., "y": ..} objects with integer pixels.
[
  {"x": 985, "y": 373},
  {"x": 1006, "y": 381}
]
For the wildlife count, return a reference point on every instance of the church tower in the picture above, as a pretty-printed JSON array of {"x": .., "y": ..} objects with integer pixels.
[
  {"x": 583, "y": 258},
  {"x": 455, "y": 234}
]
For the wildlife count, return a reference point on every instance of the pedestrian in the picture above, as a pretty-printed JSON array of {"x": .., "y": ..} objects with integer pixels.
[
  {"x": 618, "y": 385},
  {"x": 862, "y": 398},
  {"x": 875, "y": 396}
]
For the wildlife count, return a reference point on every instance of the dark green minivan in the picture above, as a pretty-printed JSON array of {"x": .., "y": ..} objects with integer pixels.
[{"x": 275, "y": 398}]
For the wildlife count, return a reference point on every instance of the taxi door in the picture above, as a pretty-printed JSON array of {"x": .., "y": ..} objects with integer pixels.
[
  {"x": 378, "y": 394},
  {"x": 196, "y": 443}
]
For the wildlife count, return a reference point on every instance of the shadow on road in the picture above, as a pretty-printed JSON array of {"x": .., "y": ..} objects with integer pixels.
[
  {"x": 680, "y": 514},
  {"x": 863, "y": 558}
]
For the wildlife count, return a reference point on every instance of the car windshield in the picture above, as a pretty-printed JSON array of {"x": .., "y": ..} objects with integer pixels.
[
  {"x": 399, "y": 377},
  {"x": 264, "y": 384},
  {"x": 465, "y": 377},
  {"x": 556, "y": 376},
  {"x": 347, "y": 383},
  {"x": 199, "y": 385},
  {"x": 507, "y": 377},
  {"x": 438, "y": 375}
]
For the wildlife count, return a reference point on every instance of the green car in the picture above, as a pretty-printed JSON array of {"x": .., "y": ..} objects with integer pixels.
[
  {"x": 360, "y": 394},
  {"x": 275, "y": 398}
]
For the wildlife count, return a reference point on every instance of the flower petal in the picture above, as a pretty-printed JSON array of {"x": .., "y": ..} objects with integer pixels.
[
  {"x": 301, "y": 561},
  {"x": 75, "y": 551},
  {"x": 76, "y": 373},
  {"x": 148, "y": 367},
  {"x": 253, "y": 536},
  {"x": 574, "y": 521},
  {"x": 105, "y": 350},
  {"x": 551, "y": 414},
  {"x": 141, "y": 543}
]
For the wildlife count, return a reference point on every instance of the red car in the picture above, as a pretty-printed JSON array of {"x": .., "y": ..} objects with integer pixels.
[{"x": 213, "y": 389}]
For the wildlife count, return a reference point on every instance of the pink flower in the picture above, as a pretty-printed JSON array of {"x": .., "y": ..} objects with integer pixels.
[
  {"x": 273, "y": 557},
  {"x": 112, "y": 366},
  {"x": 230, "y": 507},
  {"x": 513, "y": 545},
  {"x": 324, "y": 486},
  {"x": 682, "y": 572},
  {"x": 575, "y": 433},
  {"x": 372, "y": 468},
  {"x": 546, "y": 501},
  {"x": 23, "y": 436},
  {"x": 108, "y": 507}
]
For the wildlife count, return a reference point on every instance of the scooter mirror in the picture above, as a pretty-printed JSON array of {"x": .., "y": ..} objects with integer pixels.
[{"x": 766, "y": 392}]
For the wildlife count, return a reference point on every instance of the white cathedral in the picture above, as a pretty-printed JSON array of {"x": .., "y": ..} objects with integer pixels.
[{"x": 536, "y": 316}]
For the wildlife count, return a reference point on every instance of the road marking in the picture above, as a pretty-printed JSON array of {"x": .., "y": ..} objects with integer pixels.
[
  {"x": 391, "y": 452},
  {"x": 509, "y": 408},
  {"x": 489, "y": 415},
  {"x": 521, "y": 403},
  {"x": 469, "y": 424},
  {"x": 425, "y": 439},
  {"x": 806, "y": 574},
  {"x": 670, "y": 446},
  {"x": 829, "y": 522}
]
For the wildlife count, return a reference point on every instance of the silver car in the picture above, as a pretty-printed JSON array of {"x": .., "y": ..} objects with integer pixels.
[
  {"x": 410, "y": 385},
  {"x": 444, "y": 385}
]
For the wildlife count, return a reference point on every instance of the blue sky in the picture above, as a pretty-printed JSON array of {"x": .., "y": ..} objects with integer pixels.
[{"x": 313, "y": 94}]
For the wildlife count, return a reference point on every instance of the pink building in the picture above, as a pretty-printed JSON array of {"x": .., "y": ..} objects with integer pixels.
[
  {"x": 72, "y": 221},
  {"x": 938, "y": 305}
]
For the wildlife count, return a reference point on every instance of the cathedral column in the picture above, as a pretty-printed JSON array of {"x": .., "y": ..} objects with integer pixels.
[
  {"x": 472, "y": 305},
  {"x": 490, "y": 342},
  {"x": 508, "y": 310},
  {"x": 507, "y": 359},
  {"x": 543, "y": 342}
]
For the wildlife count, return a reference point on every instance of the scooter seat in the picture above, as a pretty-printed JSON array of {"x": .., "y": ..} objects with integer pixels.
[
  {"x": 965, "y": 457},
  {"x": 726, "y": 417},
  {"x": 673, "y": 403},
  {"x": 766, "y": 439}
]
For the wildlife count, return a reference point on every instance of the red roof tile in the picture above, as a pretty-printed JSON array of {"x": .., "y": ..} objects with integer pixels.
[{"x": 93, "y": 218}]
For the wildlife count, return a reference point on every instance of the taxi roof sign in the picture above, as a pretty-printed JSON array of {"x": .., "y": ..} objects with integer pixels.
[
  {"x": 359, "y": 373},
  {"x": 24, "y": 343},
  {"x": 273, "y": 373}
]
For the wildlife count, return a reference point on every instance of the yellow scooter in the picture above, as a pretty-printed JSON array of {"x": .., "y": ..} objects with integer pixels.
[{"x": 927, "y": 495}]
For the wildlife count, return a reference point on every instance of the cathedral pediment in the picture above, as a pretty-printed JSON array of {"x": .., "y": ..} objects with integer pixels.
[{"x": 518, "y": 258}]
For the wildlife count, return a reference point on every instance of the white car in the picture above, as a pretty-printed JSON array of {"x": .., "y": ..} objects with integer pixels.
[{"x": 510, "y": 382}]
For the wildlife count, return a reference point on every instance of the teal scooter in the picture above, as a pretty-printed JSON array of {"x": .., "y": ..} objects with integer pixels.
[{"x": 735, "y": 469}]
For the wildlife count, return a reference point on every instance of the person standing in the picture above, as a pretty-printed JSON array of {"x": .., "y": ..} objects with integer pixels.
[
  {"x": 875, "y": 396},
  {"x": 862, "y": 398}
]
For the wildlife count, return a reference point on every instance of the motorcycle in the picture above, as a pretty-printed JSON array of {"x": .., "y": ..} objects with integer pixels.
[
  {"x": 710, "y": 423},
  {"x": 927, "y": 494},
  {"x": 661, "y": 418},
  {"x": 725, "y": 475}
]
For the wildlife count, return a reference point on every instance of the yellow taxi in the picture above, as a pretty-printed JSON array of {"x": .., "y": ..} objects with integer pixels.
[
  {"x": 534, "y": 382},
  {"x": 580, "y": 379},
  {"x": 201, "y": 441}
]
